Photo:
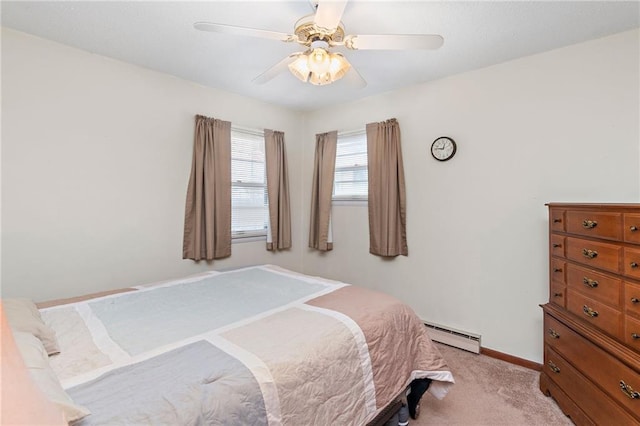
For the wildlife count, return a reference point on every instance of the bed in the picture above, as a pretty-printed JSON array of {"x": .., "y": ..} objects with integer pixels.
[{"x": 251, "y": 346}]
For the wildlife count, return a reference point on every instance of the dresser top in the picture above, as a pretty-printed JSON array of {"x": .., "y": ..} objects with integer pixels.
[{"x": 596, "y": 205}]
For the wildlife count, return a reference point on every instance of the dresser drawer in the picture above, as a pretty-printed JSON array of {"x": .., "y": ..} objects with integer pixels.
[
  {"x": 595, "y": 224},
  {"x": 566, "y": 404},
  {"x": 596, "y": 404},
  {"x": 556, "y": 220},
  {"x": 631, "y": 228},
  {"x": 558, "y": 294},
  {"x": 557, "y": 245},
  {"x": 632, "y": 298},
  {"x": 632, "y": 333},
  {"x": 631, "y": 262},
  {"x": 597, "y": 313},
  {"x": 595, "y": 254},
  {"x": 558, "y": 271},
  {"x": 596, "y": 285},
  {"x": 596, "y": 364}
]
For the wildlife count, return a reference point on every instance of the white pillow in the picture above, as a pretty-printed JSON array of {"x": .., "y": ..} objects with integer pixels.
[
  {"x": 36, "y": 360},
  {"x": 23, "y": 315}
]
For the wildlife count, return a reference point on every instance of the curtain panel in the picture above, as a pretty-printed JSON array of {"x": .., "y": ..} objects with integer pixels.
[
  {"x": 207, "y": 221},
  {"x": 279, "y": 232},
  {"x": 387, "y": 195},
  {"x": 322, "y": 190}
]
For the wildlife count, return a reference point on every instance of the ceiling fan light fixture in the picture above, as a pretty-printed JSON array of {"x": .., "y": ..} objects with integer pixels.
[
  {"x": 336, "y": 67},
  {"x": 300, "y": 68}
]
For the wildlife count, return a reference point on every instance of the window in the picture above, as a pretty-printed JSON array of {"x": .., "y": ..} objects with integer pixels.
[
  {"x": 249, "y": 203},
  {"x": 351, "y": 176}
]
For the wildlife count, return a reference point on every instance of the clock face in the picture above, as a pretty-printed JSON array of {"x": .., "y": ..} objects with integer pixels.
[{"x": 443, "y": 148}]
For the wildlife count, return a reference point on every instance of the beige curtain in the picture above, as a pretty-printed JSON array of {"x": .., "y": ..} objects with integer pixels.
[
  {"x": 387, "y": 196},
  {"x": 279, "y": 233},
  {"x": 321, "y": 192},
  {"x": 207, "y": 219}
]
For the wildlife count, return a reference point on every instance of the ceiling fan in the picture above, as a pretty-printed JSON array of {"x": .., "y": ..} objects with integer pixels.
[{"x": 318, "y": 33}]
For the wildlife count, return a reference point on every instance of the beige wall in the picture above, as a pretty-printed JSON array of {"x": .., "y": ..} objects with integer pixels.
[
  {"x": 96, "y": 156},
  {"x": 559, "y": 126}
]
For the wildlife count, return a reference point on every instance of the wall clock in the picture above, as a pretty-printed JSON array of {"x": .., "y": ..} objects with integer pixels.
[{"x": 443, "y": 148}]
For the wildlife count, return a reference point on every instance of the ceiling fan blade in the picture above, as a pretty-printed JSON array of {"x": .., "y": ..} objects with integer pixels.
[
  {"x": 243, "y": 31},
  {"x": 354, "y": 79},
  {"x": 329, "y": 14},
  {"x": 276, "y": 69},
  {"x": 394, "y": 42}
]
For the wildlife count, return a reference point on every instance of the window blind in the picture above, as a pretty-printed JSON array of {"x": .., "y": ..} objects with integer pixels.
[
  {"x": 249, "y": 202},
  {"x": 351, "y": 174}
]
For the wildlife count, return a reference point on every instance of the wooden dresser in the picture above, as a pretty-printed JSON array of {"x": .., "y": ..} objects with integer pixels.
[{"x": 592, "y": 321}]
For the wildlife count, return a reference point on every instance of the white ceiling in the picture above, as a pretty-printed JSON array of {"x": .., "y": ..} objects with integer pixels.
[{"x": 160, "y": 36}]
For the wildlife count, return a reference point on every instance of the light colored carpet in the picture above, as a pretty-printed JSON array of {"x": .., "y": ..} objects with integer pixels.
[{"x": 489, "y": 392}]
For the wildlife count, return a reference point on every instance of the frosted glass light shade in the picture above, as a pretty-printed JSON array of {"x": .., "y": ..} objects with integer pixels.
[
  {"x": 338, "y": 66},
  {"x": 319, "y": 61},
  {"x": 300, "y": 68},
  {"x": 320, "y": 79}
]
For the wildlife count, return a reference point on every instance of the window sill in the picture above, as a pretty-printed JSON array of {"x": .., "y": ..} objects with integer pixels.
[
  {"x": 351, "y": 202},
  {"x": 251, "y": 239}
]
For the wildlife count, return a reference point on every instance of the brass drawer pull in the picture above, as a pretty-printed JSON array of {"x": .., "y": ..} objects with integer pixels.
[
  {"x": 635, "y": 336},
  {"x": 591, "y": 254},
  {"x": 557, "y": 294},
  {"x": 553, "y": 333},
  {"x": 557, "y": 220},
  {"x": 557, "y": 269},
  {"x": 590, "y": 312},
  {"x": 633, "y": 228},
  {"x": 628, "y": 390},
  {"x": 589, "y": 224},
  {"x": 635, "y": 300},
  {"x": 556, "y": 245},
  {"x": 633, "y": 264},
  {"x": 555, "y": 368},
  {"x": 589, "y": 282}
]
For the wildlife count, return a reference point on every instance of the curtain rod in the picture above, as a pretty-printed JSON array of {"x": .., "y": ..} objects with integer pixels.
[
  {"x": 352, "y": 132},
  {"x": 249, "y": 130}
]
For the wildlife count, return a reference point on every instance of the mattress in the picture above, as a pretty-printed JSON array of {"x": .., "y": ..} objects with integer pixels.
[{"x": 253, "y": 346}]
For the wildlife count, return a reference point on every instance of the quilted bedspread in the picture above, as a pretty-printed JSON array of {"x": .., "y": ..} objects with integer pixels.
[{"x": 258, "y": 345}]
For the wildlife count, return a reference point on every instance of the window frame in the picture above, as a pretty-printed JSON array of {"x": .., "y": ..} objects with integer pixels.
[
  {"x": 352, "y": 198},
  {"x": 257, "y": 234}
]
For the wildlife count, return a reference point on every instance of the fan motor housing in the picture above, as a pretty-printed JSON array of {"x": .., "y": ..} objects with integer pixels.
[{"x": 307, "y": 32}]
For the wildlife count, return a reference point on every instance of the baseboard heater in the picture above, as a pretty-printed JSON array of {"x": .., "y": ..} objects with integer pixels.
[{"x": 456, "y": 338}]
